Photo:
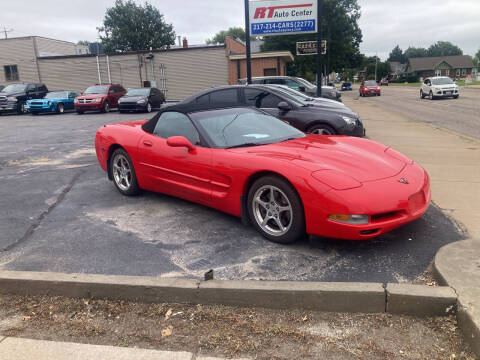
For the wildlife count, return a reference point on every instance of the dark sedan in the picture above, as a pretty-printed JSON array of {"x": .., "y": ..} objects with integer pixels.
[
  {"x": 346, "y": 86},
  {"x": 142, "y": 99},
  {"x": 305, "y": 117}
]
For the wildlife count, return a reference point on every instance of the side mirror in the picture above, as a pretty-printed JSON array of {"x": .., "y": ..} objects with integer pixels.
[
  {"x": 284, "y": 106},
  {"x": 301, "y": 88},
  {"x": 180, "y": 141}
]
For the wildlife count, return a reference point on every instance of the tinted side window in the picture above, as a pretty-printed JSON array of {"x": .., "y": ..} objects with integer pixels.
[
  {"x": 205, "y": 99},
  {"x": 224, "y": 96},
  {"x": 261, "y": 99},
  {"x": 275, "y": 81},
  {"x": 30, "y": 87},
  {"x": 292, "y": 84},
  {"x": 173, "y": 123}
]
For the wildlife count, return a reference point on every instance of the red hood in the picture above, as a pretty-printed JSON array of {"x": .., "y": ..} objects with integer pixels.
[
  {"x": 362, "y": 159},
  {"x": 91, "y": 96}
]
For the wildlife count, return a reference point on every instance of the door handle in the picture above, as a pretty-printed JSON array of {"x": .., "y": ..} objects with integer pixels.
[{"x": 147, "y": 143}]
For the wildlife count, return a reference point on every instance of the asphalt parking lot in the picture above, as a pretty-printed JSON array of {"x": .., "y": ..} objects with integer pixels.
[
  {"x": 460, "y": 115},
  {"x": 59, "y": 213}
]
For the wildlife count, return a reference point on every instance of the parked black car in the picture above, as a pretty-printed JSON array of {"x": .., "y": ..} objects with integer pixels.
[
  {"x": 142, "y": 99},
  {"x": 303, "y": 116},
  {"x": 296, "y": 83},
  {"x": 14, "y": 96}
]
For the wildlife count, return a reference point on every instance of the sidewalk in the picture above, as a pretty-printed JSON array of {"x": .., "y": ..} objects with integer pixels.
[
  {"x": 451, "y": 160},
  {"x": 23, "y": 349},
  {"x": 453, "y": 163}
]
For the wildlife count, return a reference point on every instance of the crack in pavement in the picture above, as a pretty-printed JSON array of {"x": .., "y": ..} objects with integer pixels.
[{"x": 44, "y": 214}]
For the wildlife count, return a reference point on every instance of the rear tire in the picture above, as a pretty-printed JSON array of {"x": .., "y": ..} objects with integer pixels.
[
  {"x": 456, "y": 96},
  {"x": 123, "y": 173},
  {"x": 321, "y": 129},
  {"x": 275, "y": 210}
]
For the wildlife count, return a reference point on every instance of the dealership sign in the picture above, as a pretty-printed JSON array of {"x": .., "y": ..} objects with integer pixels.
[
  {"x": 310, "y": 47},
  {"x": 283, "y": 17}
]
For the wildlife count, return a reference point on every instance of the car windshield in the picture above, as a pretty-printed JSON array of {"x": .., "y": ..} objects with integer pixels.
[
  {"x": 138, "y": 92},
  {"x": 96, "y": 90},
  {"x": 14, "y": 88},
  {"x": 347, "y": 84},
  {"x": 370, "y": 83},
  {"x": 442, "y": 81},
  {"x": 305, "y": 82},
  {"x": 57, "y": 95},
  {"x": 229, "y": 128}
]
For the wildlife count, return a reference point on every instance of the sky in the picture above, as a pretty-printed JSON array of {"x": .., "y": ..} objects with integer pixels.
[{"x": 384, "y": 23}]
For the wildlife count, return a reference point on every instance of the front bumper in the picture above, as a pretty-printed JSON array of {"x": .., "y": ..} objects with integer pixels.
[
  {"x": 445, "y": 93},
  {"x": 388, "y": 203},
  {"x": 9, "y": 106},
  {"x": 44, "y": 108},
  {"x": 89, "y": 107},
  {"x": 132, "y": 106},
  {"x": 371, "y": 92}
]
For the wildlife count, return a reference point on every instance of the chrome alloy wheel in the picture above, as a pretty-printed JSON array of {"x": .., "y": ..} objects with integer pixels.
[
  {"x": 122, "y": 172},
  {"x": 272, "y": 210},
  {"x": 321, "y": 131}
]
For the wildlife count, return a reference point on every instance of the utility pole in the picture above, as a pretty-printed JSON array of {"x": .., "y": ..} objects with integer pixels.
[
  {"x": 376, "y": 59},
  {"x": 6, "y": 31}
]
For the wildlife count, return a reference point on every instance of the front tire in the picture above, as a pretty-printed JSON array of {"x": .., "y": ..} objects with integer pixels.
[
  {"x": 106, "y": 107},
  {"x": 275, "y": 209},
  {"x": 422, "y": 95},
  {"x": 60, "y": 108},
  {"x": 455, "y": 96},
  {"x": 430, "y": 95},
  {"x": 123, "y": 173},
  {"x": 321, "y": 129},
  {"x": 22, "y": 109}
]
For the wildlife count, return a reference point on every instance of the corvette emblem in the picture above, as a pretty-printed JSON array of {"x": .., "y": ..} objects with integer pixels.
[{"x": 403, "y": 181}]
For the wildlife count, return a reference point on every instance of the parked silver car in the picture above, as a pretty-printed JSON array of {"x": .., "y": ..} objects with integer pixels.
[{"x": 298, "y": 84}]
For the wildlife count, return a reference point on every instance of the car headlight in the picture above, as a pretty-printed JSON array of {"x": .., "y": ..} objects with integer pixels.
[
  {"x": 48, "y": 102},
  {"x": 349, "y": 120},
  {"x": 75, "y": 101},
  {"x": 141, "y": 101},
  {"x": 350, "y": 219},
  {"x": 12, "y": 98},
  {"x": 97, "y": 100}
]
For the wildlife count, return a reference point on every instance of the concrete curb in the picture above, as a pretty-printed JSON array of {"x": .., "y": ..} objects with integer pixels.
[
  {"x": 329, "y": 297},
  {"x": 458, "y": 266}
]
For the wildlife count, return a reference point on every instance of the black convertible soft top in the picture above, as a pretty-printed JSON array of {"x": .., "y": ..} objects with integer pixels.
[{"x": 188, "y": 108}]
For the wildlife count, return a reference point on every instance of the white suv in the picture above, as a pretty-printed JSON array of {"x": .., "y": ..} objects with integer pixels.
[{"x": 439, "y": 86}]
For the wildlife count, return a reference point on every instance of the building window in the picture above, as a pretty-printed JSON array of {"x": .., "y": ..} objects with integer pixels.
[
  {"x": 458, "y": 72},
  {"x": 438, "y": 72},
  {"x": 269, "y": 72},
  {"x": 464, "y": 71},
  {"x": 11, "y": 72}
]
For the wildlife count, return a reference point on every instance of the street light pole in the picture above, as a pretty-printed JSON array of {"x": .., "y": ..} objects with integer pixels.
[
  {"x": 319, "y": 47},
  {"x": 376, "y": 59}
]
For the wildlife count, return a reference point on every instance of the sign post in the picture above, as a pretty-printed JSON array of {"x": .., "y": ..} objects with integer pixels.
[
  {"x": 319, "y": 53},
  {"x": 247, "y": 43}
]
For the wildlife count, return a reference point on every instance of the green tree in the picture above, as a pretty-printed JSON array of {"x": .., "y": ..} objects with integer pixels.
[
  {"x": 129, "y": 27},
  {"x": 444, "y": 48},
  {"x": 383, "y": 69},
  {"x": 234, "y": 32},
  {"x": 83, "y": 42},
  {"x": 413, "y": 52},
  {"x": 477, "y": 55},
  {"x": 341, "y": 30},
  {"x": 397, "y": 55}
]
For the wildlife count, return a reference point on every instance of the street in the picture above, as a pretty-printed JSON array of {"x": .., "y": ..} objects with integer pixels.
[
  {"x": 459, "y": 115},
  {"x": 60, "y": 213}
]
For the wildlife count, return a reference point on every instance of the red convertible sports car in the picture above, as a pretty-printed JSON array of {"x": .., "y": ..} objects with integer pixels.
[{"x": 250, "y": 164}]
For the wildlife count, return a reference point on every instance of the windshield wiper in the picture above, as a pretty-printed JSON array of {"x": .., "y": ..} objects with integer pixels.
[{"x": 243, "y": 145}]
